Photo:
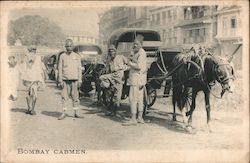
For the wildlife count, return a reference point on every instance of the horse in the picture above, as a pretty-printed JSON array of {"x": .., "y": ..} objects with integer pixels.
[{"x": 192, "y": 73}]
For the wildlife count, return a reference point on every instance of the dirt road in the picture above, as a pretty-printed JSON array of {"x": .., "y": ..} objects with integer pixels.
[{"x": 97, "y": 131}]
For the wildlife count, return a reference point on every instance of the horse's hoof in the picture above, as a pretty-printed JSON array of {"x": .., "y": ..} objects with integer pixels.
[{"x": 189, "y": 129}]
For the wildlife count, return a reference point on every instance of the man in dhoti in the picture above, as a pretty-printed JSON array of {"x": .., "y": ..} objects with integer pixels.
[{"x": 116, "y": 64}]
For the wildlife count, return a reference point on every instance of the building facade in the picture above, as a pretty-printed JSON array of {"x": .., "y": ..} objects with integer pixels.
[
  {"x": 215, "y": 27},
  {"x": 229, "y": 35},
  {"x": 121, "y": 17},
  {"x": 138, "y": 17},
  {"x": 164, "y": 20}
]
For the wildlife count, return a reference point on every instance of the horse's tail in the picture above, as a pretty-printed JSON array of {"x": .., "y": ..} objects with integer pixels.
[{"x": 181, "y": 99}]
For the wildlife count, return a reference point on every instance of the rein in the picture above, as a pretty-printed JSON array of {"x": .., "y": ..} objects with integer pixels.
[
  {"x": 167, "y": 74},
  {"x": 88, "y": 70},
  {"x": 215, "y": 70}
]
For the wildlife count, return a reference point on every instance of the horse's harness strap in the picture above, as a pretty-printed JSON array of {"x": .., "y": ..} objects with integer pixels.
[{"x": 215, "y": 69}]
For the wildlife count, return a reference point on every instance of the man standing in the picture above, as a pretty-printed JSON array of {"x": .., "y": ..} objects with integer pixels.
[
  {"x": 70, "y": 77},
  {"x": 33, "y": 77},
  {"x": 137, "y": 81},
  {"x": 115, "y": 72}
]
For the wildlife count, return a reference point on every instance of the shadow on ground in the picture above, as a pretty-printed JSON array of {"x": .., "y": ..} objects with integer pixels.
[
  {"x": 51, "y": 113},
  {"x": 20, "y": 110}
]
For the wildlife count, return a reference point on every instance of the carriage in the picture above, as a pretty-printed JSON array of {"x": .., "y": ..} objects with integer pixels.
[
  {"x": 123, "y": 40},
  {"x": 91, "y": 59}
]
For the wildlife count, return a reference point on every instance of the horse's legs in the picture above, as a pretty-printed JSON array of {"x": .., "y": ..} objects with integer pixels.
[
  {"x": 193, "y": 105},
  {"x": 207, "y": 102},
  {"x": 174, "y": 102},
  {"x": 183, "y": 113}
]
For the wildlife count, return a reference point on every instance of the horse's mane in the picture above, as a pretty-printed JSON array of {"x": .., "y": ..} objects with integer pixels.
[{"x": 184, "y": 56}]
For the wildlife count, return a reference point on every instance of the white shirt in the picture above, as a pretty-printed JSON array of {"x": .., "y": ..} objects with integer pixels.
[{"x": 138, "y": 77}]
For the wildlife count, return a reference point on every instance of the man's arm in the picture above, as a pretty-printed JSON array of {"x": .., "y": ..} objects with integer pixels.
[
  {"x": 79, "y": 71},
  {"x": 140, "y": 64},
  {"x": 60, "y": 69}
]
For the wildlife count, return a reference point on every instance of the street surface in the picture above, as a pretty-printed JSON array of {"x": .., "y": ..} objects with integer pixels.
[{"x": 98, "y": 132}]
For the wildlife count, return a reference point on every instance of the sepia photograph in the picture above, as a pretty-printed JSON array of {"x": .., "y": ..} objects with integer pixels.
[{"x": 124, "y": 81}]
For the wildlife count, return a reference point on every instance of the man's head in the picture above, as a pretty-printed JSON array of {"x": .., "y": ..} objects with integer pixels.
[
  {"x": 69, "y": 45},
  {"x": 32, "y": 49},
  {"x": 12, "y": 60},
  {"x": 138, "y": 43},
  {"x": 112, "y": 51}
]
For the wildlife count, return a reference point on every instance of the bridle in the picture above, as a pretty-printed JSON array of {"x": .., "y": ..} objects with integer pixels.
[{"x": 220, "y": 78}]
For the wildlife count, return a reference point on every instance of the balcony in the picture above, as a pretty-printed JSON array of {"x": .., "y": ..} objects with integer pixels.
[{"x": 203, "y": 20}]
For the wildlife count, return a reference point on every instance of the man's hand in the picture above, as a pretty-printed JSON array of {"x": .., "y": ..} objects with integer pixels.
[{"x": 141, "y": 87}]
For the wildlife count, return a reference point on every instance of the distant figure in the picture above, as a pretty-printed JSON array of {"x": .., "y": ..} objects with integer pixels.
[
  {"x": 70, "y": 77},
  {"x": 13, "y": 74},
  {"x": 33, "y": 77}
]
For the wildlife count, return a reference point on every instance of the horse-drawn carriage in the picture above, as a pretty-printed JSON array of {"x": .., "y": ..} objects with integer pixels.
[
  {"x": 123, "y": 40},
  {"x": 184, "y": 72},
  {"x": 90, "y": 60}
]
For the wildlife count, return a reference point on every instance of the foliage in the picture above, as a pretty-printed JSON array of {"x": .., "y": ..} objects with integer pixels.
[{"x": 35, "y": 30}]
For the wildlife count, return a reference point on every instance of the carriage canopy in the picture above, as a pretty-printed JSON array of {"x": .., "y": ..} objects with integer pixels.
[
  {"x": 128, "y": 35},
  {"x": 88, "y": 49},
  {"x": 89, "y": 53},
  {"x": 123, "y": 40}
]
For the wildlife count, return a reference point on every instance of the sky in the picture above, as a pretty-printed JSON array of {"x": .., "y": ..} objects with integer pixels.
[{"x": 68, "y": 19}]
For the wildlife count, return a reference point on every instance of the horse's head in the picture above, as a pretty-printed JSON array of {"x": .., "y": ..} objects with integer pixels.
[{"x": 225, "y": 75}]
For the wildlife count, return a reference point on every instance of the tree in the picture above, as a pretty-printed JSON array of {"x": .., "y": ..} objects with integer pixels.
[{"x": 35, "y": 30}]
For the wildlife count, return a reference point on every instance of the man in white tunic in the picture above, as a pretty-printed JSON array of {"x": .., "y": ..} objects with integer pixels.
[{"x": 137, "y": 81}]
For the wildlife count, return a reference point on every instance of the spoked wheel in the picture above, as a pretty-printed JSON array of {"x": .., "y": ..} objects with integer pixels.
[
  {"x": 107, "y": 97},
  {"x": 151, "y": 97},
  {"x": 149, "y": 100},
  {"x": 188, "y": 98}
]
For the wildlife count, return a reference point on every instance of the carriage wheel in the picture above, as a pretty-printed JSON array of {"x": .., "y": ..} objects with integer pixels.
[
  {"x": 107, "y": 97},
  {"x": 188, "y": 97},
  {"x": 149, "y": 101},
  {"x": 151, "y": 97}
]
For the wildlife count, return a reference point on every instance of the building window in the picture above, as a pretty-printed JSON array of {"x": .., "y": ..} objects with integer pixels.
[
  {"x": 224, "y": 26},
  {"x": 174, "y": 14},
  {"x": 233, "y": 22},
  {"x": 151, "y": 18},
  {"x": 195, "y": 36},
  {"x": 158, "y": 18},
  {"x": 138, "y": 13},
  {"x": 194, "y": 12},
  {"x": 164, "y": 17},
  {"x": 233, "y": 26},
  {"x": 164, "y": 35}
]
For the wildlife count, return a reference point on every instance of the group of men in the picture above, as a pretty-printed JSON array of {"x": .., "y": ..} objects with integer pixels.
[{"x": 70, "y": 76}]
